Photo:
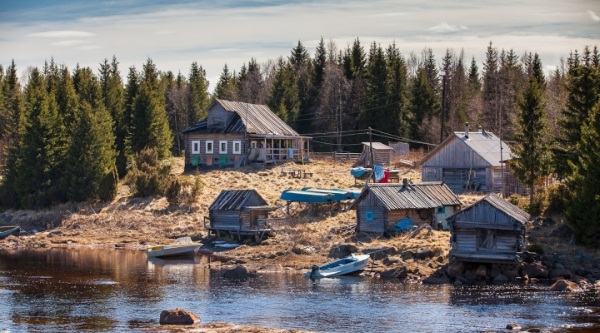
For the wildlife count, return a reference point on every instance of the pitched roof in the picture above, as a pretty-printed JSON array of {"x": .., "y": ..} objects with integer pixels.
[
  {"x": 484, "y": 143},
  {"x": 234, "y": 199},
  {"x": 377, "y": 146},
  {"x": 250, "y": 118},
  {"x": 417, "y": 196},
  {"x": 504, "y": 206}
]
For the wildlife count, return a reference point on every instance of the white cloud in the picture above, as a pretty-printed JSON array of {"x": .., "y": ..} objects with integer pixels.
[
  {"x": 69, "y": 43},
  {"x": 62, "y": 34},
  {"x": 593, "y": 16},
  {"x": 444, "y": 27}
]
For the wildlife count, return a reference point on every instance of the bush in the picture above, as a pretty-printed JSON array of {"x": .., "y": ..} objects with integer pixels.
[
  {"x": 554, "y": 198},
  {"x": 148, "y": 177},
  {"x": 537, "y": 248},
  {"x": 109, "y": 184},
  {"x": 184, "y": 192}
]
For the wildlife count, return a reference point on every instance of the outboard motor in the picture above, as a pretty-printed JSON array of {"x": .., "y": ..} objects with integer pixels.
[{"x": 313, "y": 272}]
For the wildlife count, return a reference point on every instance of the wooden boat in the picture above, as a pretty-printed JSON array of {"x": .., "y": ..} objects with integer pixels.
[
  {"x": 319, "y": 195},
  {"x": 182, "y": 247},
  {"x": 6, "y": 231},
  {"x": 339, "y": 267}
]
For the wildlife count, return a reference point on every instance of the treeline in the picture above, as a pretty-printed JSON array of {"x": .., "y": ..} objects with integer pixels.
[{"x": 69, "y": 135}]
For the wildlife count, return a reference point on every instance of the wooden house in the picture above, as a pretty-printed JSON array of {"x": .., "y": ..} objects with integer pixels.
[
  {"x": 236, "y": 133},
  {"x": 380, "y": 207},
  {"x": 472, "y": 161},
  {"x": 239, "y": 212},
  {"x": 492, "y": 230},
  {"x": 382, "y": 155}
]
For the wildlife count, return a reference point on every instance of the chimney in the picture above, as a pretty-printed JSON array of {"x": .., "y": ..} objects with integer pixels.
[
  {"x": 467, "y": 130},
  {"x": 404, "y": 183}
]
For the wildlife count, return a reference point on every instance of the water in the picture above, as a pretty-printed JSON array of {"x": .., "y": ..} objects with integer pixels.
[{"x": 94, "y": 290}]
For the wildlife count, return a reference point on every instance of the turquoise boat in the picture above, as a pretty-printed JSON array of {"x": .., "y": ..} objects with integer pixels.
[{"x": 319, "y": 195}]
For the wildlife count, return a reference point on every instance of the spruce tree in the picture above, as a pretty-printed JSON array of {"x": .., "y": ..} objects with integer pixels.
[
  {"x": 226, "y": 86},
  {"x": 199, "y": 99},
  {"x": 583, "y": 207},
  {"x": 397, "y": 91},
  {"x": 583, "y": 86},
  {"x": 530, "y": 138},
  {"x": 283, "y": 99},
  {"x": 377, "y": 112},
  {"x": 423, "y": 105}
]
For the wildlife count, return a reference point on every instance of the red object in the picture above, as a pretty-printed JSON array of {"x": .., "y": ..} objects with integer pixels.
[{"x": 386, "y": 176}]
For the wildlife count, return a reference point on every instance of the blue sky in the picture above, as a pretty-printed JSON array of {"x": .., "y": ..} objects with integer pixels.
[{"x": 215, "y": 33}]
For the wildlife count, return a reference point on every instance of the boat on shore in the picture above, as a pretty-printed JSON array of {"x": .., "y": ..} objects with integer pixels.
[
  {"x": 6, "y": 231},
  {"x": 182, "y": 247},
  {"x": 343, "y": 266}
]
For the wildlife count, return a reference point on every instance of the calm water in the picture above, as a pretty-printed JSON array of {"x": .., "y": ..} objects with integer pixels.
[{"x": 61, "y": 290}]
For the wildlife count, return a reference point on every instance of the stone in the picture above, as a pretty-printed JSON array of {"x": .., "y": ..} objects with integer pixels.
[
  {"x": 455, "y": 269},
  {"x": 379, "y": 252},
  {"x": 560, "y": 273},
  {"x": 481, "y": 271},
  {"x": 513, "y": 326},
  {"x": 342, "y": 250},
  {"x": 432, "y": 279},
  {"x": 405, "y": 255},
  {"x": 500, "y": 279},
  {"x": 178, "y": 317},
  {"x": 495, "y": 271},
  {"x": 424, "y": 253},
  {"x": 565, "y": 285},
  {"x": 238, "y": 273},
  {"x": 537, "y": 271},
  {"x": 399, "y": 272}
]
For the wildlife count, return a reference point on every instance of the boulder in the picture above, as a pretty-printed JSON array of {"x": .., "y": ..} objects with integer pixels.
[
  {"x": 455, "y": 269},
  {"x": 379, "y": 252},
  {"x": 405, "y": 255},
  {"x": 342, "y": 250},
  {"x": 560, "y": 273},
  {"x": 424, "y": 253},
  {"x": 565, "y": 285},
  {"x": 178, "y": 317},
  {"x": 390, "y": 261},
  {"x": 481, "y": 272},
  {"x": 500, "y": 279},
  {"x": 513, "y": 326},
  {"x": 436, "y": 279},
  {"x": 399, "y": 272},
  {"x": 536, "y": 270},
  {"x": 238, "y": 273}
]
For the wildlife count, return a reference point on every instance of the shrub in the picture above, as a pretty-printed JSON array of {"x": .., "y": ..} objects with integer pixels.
[
  {"x": 537, "y": 248},
  {"x": 554, "y": 198},
  {"x": 148, "y": 177}
]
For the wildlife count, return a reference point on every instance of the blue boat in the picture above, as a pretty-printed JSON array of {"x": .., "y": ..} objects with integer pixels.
[
  {"x": 6, "y": 231},
  {"x": 318, "y": 195}
]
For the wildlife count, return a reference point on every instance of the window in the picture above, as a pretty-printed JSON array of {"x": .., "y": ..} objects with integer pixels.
[
  {"x": 209, "y": 146},
  {"x": 369, "y": 215},
  {"x": 195, "y": 147},
  {"x": 441, "y": 210},
  {"x": 237, "y": 147},
  {"x": 253, "y": 144},
  {"x": 223, "y": 147}
]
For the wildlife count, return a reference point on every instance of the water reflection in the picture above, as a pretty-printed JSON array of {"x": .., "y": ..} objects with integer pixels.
[{"x": 116, "y": 290}]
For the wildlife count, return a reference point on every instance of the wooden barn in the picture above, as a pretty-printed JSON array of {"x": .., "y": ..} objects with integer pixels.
[
  {"x": 492, "y": 230},
  {"x": 382, "y": 155},
  {"x": 381, "y": 206},
  {"x": 239, "y": 212},
  {"x": 235, "y": 133},
  {"x": 472, "y": 161}
]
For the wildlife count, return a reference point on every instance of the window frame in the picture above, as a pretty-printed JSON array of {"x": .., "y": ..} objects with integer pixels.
[
  {"x": 211, "y": 144},
  {"x": 239, "y": 150},
  {"x": 195, "y": 147},
  {"x": 222, "y": 151}
]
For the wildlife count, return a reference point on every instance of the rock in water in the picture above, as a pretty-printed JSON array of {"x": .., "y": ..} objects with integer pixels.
[
  {"x": 565, "y": 285},
  {"x": 178, "y": 317}
]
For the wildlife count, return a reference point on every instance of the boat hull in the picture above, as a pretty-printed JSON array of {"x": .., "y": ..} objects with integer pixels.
[
  {"x": 163, "y": 251},
  {"x": 339, "y": 267},
  {"x": 6, "y": 231}
]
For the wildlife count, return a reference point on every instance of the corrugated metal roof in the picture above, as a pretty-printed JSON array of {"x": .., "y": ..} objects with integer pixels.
[
  {"x": 416, "y": 196},
  {"x": 485, "y": 144},
  {"x": 251, "y": 118},
  {"x": 378, "y": 146},
  {"x": 234, "y": 199}
]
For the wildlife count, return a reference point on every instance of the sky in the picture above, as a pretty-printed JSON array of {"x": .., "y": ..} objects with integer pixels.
[{"x": 175, "y": 33}]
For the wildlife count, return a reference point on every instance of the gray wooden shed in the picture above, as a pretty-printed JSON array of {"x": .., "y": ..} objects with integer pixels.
[
  {"x": 239, "y": 212},
  {"x": 380, "y": 206},
  {"x": 472, "y": 161},
  {"x": 382, "y": 155},
  {"x": 492, "y": 230}
]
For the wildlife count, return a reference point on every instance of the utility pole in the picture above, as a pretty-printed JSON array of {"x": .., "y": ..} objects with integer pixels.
[
  {"x": 371, "y": 149},
  {"x": 443, "y": 105}
]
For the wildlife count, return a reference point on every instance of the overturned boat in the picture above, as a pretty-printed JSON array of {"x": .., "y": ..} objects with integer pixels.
[{"x": 343, "y": 266}]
